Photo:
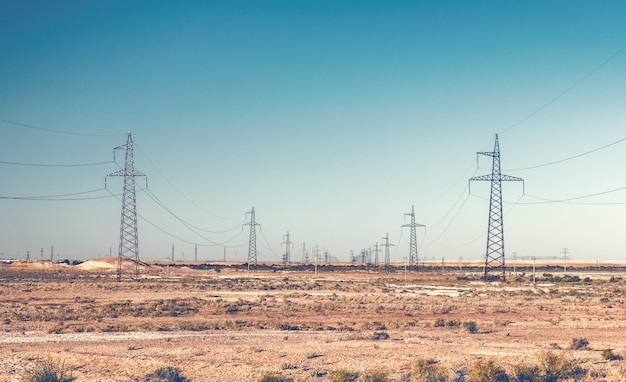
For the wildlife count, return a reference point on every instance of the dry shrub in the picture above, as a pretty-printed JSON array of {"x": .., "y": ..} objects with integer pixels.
[
  {"x": 48, "y": 370},
  {"x": 555, "y": 367},
  {"x": 376, "y": 375},
  {"x": 527, "y": 373},
  {"x": 428, "y": 371},
  {"x": 343, "y": 375},
  {"x": 168, "y": 374},
  {"x": 487, "y": 371},
  {"x": 274, "y": 377},
  {"x": 579, "y": 343}
]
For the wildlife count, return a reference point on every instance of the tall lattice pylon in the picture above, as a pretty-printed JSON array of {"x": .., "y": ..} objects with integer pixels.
[
  {"x": 252, "y": 258},
  {"x": 129, "y": 243},
  {"x": 413, "y": 260},
  {"x": 288, "y": 245},
  {"x": 386, "y": 245},
  {"x": 494, "y": 256}
]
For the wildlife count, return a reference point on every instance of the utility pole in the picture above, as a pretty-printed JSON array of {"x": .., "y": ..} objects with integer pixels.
[
  {"x": 288, "y": 245},
  {"x": 564, "y": 251},
  {"x": 252, "y": 257},
  {"x": 413, "y": 260},
  {"x": 129, "y": 242},
  {"x": 305, "y": 255},
  {"x": 376, "y": 251},
  {"x": 494, "y": 257},
  {"x": 386, "y": 245},
  {"x": 195, "y": 253}
]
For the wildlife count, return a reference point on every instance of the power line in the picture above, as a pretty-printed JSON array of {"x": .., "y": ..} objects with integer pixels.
[
  {"x": 178, "y": 237},
  {"x": 168, "y": 210},
  {"x": 55, "y": 165},
  {"x": 570, "y": 158},
  {"x": 58, "y": 197},
  {"x": 572, "y": 87},
  {"x": 178, "y": 190},
  {"x": 568, "y": 200},
  {"x": 57, "y": 131},
  {"x": 186, "y": 224}
]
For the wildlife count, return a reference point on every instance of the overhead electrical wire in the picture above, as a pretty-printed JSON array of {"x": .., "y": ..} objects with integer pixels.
[
  {"x": 177, "y": 189},
  {"x": 57, "y": 131},
  {"x": 569, "y": 200},
  {"x": 569, "y": 89},
  {"x": 162, "y": 205},
  {"x": 59, "y": 197},
  {"x": 55, "y": 165},
  {"x": 178, "y": 237},
  {"x": 569, "y": 158}
]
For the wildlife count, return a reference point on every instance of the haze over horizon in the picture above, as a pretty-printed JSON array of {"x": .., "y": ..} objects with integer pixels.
[{"x": 331, "y": 119}]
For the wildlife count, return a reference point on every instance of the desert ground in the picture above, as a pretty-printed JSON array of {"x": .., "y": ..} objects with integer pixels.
[{"x": 221, "y": 322}]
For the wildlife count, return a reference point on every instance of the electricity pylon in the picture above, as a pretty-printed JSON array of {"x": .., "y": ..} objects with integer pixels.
[
  {"x": 252, "y": 258},
  {"x": 494, "y": 256},
  {"x": 288, "y": 244},
  {"x": 386, "y": 245},
  {"x": 376, "y": 251},
  {"x": 413, "y": 260},
  {"x": 129, "y": 243}
]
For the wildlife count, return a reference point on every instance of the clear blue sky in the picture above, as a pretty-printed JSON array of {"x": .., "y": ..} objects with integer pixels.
[{"x": 331, "y": 118}]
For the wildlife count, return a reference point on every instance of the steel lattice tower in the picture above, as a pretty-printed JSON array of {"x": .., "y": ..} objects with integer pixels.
[
  {"x": 386, "y": 245},
  {"x": 288, "y": 244},
  {"x": 252, "y": 258},
  {"x": 129, "y": 243},
  {"x": 494, "y": 257},
  {"x": 413, "y": 260}
]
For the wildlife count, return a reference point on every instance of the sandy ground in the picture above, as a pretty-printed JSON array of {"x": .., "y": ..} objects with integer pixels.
[{"x": 231, "y": 326}]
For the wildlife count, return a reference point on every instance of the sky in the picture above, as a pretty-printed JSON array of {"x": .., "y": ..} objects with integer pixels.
[{"x": 331, "y": 118}]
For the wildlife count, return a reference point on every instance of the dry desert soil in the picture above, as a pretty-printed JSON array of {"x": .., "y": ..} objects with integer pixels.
[{"x": 217, "y": 322}]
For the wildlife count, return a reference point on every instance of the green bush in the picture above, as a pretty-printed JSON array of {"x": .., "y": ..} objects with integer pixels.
[
  {"x": 487, "y": 371},
  {"x": 168, "y": 374},
  {"x": 48, "y": 370}
]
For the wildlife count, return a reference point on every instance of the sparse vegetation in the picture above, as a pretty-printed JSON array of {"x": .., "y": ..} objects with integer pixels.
[
  {"x": 424, "y": 370},
  {"x": 48, "y": 370},
  {"x": 579, "y": 344},
  {"x": 609, "y": 355},
  {"x": 483, "y": 370},
  {"x": 343, "y": 375},
  {"x": 168, "y": 374},
  {"x": 274, "y": 377}
]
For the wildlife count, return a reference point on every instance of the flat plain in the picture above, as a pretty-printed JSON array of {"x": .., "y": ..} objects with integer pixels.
[{"x": 219, "y": 322}]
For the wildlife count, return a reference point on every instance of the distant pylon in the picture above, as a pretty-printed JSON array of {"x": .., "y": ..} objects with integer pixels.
[
  {"x": 386, "y": 245},
  {"x": 494, "y": 257},
  {"x": 252, "y": 258},
  {"x": 413, "y": 260},
  {"x": 129, "y": 243},
  {"x": 376, "y": 251},
  {"x": 288, "y": 244}
]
